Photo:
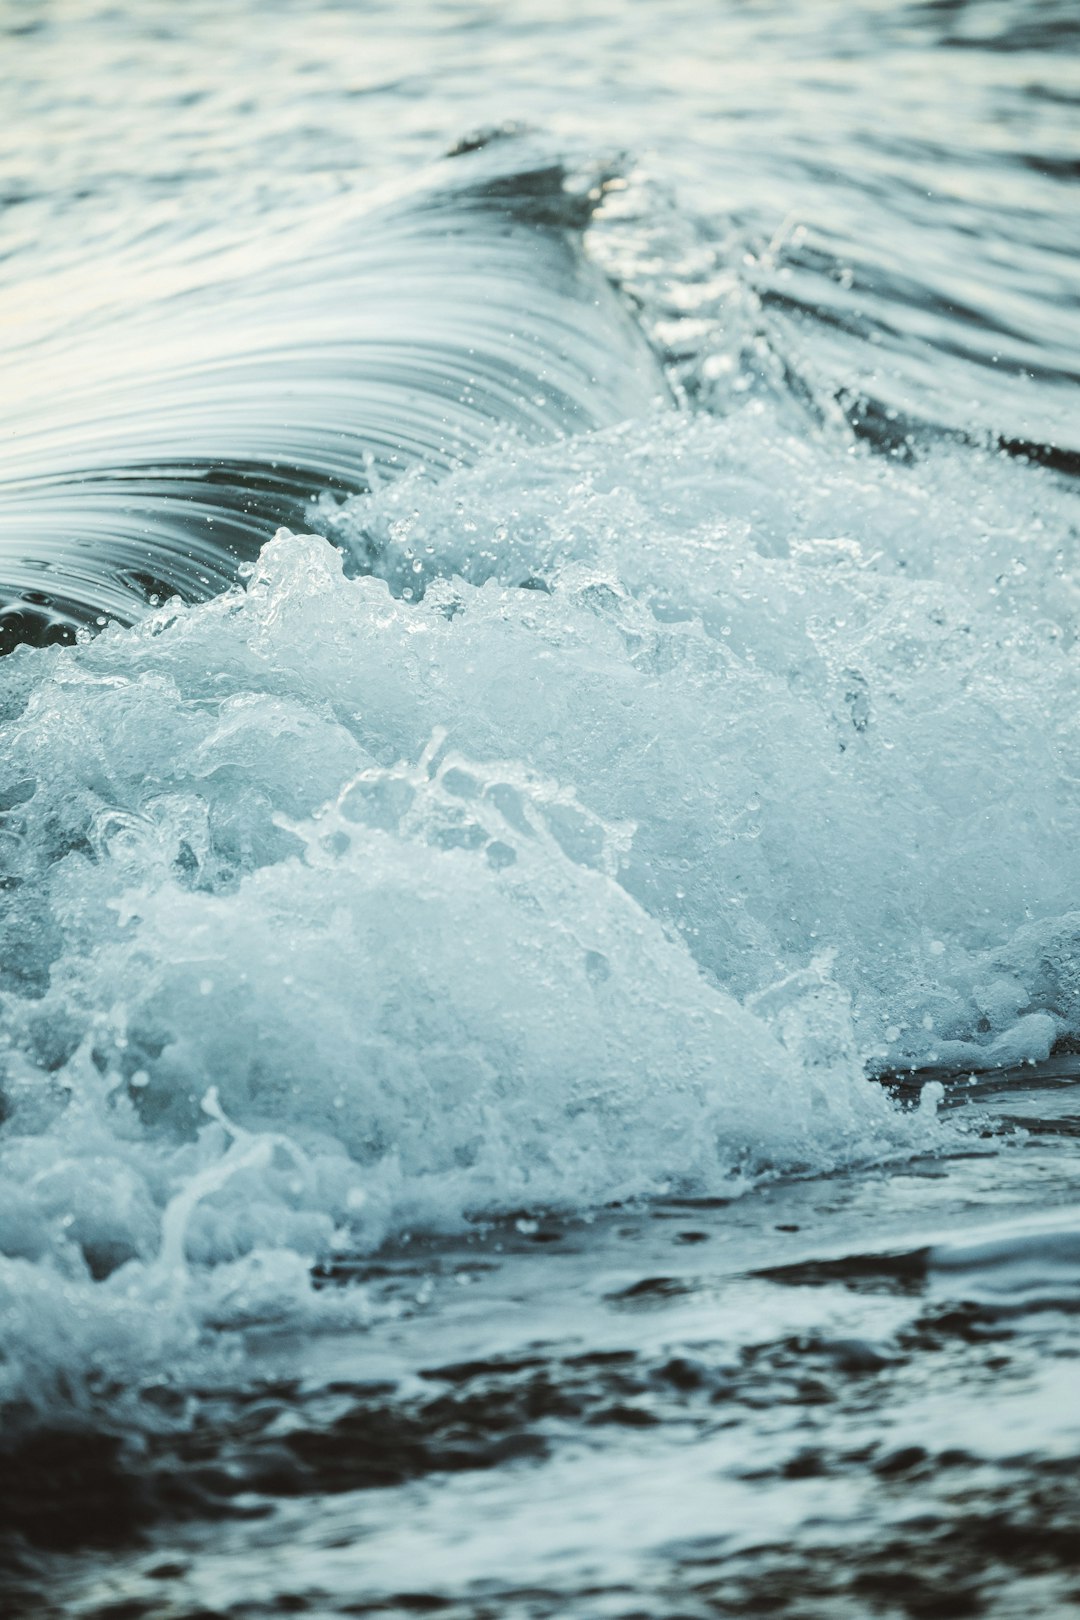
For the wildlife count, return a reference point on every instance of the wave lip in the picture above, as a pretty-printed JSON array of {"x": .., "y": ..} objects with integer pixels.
[{"x": 154, "y": 441}]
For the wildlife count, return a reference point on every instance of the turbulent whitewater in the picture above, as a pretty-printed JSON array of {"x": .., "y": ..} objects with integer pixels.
[
  {"x": 539, "y": 776},
  {"x": 575, "y": 849}
]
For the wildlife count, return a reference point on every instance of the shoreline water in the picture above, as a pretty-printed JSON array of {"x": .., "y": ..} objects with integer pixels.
[{"x": 441, "y": 978}]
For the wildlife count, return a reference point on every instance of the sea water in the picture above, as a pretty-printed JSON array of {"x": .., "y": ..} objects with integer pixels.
[{"x": 536, "y": 1016}]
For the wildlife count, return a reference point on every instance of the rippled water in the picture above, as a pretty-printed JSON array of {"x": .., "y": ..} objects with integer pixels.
[{"x": 537, "y": 997}]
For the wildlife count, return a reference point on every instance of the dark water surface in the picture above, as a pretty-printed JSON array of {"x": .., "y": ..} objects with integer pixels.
[{"x": 538, "y": 1038}]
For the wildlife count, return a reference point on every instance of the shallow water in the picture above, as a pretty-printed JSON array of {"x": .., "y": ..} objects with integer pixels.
[{"x": 537, "y": 1001}]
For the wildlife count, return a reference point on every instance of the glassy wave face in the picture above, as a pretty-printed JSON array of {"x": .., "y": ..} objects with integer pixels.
[
  {"x": 198, "y": 403},
  {"x": 539, "y": 776}
]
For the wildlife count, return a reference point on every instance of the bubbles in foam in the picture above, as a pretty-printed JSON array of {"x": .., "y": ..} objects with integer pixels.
[
  {"x": 844, "y": 721},
  {"x": 594, "y": 840}
]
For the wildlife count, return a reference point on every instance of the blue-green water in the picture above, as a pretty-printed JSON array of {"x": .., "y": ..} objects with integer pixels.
[{"x": 537, "y": 996}]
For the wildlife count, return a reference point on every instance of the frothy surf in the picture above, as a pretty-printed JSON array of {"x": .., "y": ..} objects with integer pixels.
[
  {"x": 586, "y": 822},
  {"x": 573, "y": 850}
]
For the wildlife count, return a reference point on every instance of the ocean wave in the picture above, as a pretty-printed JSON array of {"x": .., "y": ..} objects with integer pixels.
[
  {"x": 583, "y": 824},
  {"x": 170, "y": 415},
  {"x": 335, "y": 913}
]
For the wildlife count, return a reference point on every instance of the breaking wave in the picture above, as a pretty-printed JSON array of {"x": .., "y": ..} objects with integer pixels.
[
  {"x": 182, "y": 409},
  {"x": 586, "y": 822}
]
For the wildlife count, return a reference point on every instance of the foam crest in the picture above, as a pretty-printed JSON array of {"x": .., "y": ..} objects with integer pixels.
[
  {"x": 831, "y": 691},
  {"x": 340, "y": 914},
  {"x": 590, "y": 842}
]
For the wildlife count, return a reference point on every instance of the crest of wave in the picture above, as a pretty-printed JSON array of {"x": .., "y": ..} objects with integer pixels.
[{"x": 165, "y": 411}]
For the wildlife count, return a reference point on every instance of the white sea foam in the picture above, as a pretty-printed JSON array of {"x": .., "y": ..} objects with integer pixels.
[{"x": 642, "y": 795}]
